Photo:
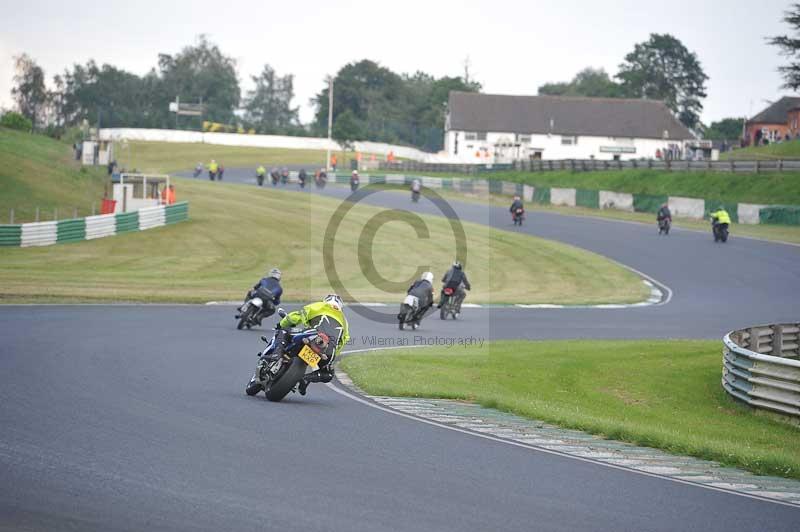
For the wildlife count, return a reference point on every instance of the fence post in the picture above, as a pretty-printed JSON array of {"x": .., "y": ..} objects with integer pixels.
[
  {"x": 572, "y": 164},
  {"x": 37, "y": 213},
  {"x": 74, "y": 212},
  {"x": 758, "y": 166},
  {"x": 777, "y": 340},
  {"x": 11, "y": 216},
  {"x": 619, "y": 163},
  {"x": 669, "y": 165},
  {"x": 650, "y": 164},
  {"x": 635, "y": 164},
  {"x": 733, "y": 167},
  {"x": 688, "y": 165},
  {"x": 780, "y": 165}
]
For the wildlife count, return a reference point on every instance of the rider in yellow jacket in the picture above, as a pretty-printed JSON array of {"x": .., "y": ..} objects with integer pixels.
[
  {"x": 721, "y": 216},
  {"x": 330, "y": 307}
]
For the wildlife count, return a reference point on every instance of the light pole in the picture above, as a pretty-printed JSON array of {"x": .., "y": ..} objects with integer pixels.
[{"x": 330, "y": 122}]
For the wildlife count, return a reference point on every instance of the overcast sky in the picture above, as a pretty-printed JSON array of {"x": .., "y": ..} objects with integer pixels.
[{"x": 513, "y": 47}]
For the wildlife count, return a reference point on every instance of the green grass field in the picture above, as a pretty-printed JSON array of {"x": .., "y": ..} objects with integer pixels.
[
  {"x": 783, "y": 150},
  {"x": 663, "y": 394},
  {"x": 36, "y": 171},
  {"x": 167, "y": 157},
  {"x": 235, "y": 233}
]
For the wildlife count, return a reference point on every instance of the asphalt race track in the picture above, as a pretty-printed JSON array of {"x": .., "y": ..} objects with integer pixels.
[{"x": 135, "y": 418}]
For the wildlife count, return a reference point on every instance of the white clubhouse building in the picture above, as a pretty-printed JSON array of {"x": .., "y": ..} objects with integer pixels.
[{"x": 501, "y": 128}]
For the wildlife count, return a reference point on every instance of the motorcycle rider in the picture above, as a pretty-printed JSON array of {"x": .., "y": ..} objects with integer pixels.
[
  {"x": 213, "y": 167},
  {"x": 416, "y": 187},
  {"x": 719, "y": 219},
  {"x": 354, "y": 181},
  {"x": 422, "y": 289},
  {"x": 260, "y": 173},
  {"x": 330, "y": 307},
  {"x": 455, "y": 278},
  {"x": 284, "y": 175},
  {"x": 198, "y": 169},
  {"x": 301, "y": 177},
  {"x": 516, "y": 204},
  {"x": 271, "y": 282},
  {"x": 663, "y": 214}
]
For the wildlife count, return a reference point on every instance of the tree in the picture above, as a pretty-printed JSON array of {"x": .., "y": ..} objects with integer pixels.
[
  {"x": 13, "y": 120},
  {"x": 663, "y": 68},
  {"x": 269, "y": 105},
  {"x": 200, "y": 73},
  {"x": 29, "y": 92},
  {"x": 725, "y": 129},
  {"x": 589, "y": 82},
  {"x": 346, "y": 129},
  {"x": 790, "y": 47}
]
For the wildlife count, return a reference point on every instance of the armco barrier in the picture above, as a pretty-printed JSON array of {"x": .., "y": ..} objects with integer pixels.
[
  {"x": 91, "y": 227},
  {"x": 761, "y": 366}
]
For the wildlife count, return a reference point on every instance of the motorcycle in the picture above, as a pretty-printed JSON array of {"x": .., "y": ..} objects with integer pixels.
[
  {"x": 260, "y": 179},
  {"x": 408, "y": 312},
  {"x": 517, "y": 216},
  {"x": 198, "y": 170},
  {"x": 320, "y": 181},
  {"x": 450, "y": 306},
  {"x": 275, "y": 177},
  {"x": 256, "y": 308},
  {"x": 664, "y": 225},
  {"x": 720, "y": 231},
  {"x": 354, "y": 185},
  {"x": 415, "y": 196},
  {"x": 303, "y": 348}
]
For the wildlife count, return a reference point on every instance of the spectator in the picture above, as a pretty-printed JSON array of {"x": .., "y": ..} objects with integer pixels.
[{"x": 333, "y": 162}]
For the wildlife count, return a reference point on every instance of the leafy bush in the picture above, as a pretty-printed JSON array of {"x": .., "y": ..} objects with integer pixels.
[{"x": 16, "y": 121}]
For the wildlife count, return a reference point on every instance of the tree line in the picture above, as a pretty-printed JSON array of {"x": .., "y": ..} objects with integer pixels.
[{"x": 370, "y": 101}]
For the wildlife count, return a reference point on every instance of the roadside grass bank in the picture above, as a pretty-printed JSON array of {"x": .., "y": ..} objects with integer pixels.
[
  {"x": 236, "y": 233},
  {"x": 655, "y": 393},
  {"x": 770, "y": 188},
  {"x": 782, "y": 150},
  {"x": 37, "y": 171},
  {"x": 168, "y": 157}
]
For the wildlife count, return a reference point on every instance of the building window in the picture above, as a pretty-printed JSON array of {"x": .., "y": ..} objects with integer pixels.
[
  {"x": 470, "y": 136},
  {"x": 482, "y": 135},
  {"x": 524, "y": 139},
  {"x": 569, "y": 141}
]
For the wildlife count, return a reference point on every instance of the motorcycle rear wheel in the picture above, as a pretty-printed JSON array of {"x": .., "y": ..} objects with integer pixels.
[
  {"x": 278, "y": 388},
  {"x": 244, "y": 319}
]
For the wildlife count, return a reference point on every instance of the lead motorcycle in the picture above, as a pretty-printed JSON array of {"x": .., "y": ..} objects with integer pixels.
[
  {"x": 451, "y": 306},
  {"x": 255, "y": 309},
  {"x": 303, "y": 347}
]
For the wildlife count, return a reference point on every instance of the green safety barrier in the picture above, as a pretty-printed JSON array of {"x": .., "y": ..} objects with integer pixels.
[
  {"x": 715, "y": 205},
  {"x": 71, "y": 230},
  {"x": 178, "y": 212},
  {"x": 447, "y": 183},
  {"x": 587, "y": 198},
  {"x": 780, "y": 214},
  {"x": 127, "y": 222},
  {"x": 10, "y": 235},
  {"x": 541, "y": 195},
  {"x": 648, "y": 203}
]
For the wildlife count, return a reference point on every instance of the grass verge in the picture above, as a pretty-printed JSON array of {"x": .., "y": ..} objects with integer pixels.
[
  {"x": 235, "y": 233},
  {"x": 662, "y": 394},
  {"x": 782, "y": 150},
  {"x": 37, "y": 171},
  {"x": 167, "y": 157}
]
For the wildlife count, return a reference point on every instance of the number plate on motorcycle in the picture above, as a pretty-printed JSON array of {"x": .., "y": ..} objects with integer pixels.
[{"x": 308, "y": 356}]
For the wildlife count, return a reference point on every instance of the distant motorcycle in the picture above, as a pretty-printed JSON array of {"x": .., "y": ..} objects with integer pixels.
[
  {"x": 260, "y": 179},
  {"x": 354, "y": 182},
  {"x": 198, "y": 170},
  {"x": 303, "y": 348},
  {"x": 415, "y": 196},
  {"x": 518, "y": 215},
  {"x": 409, "y": 311},
  {"x": 664, "y": 225},
  {"x": 719, "y": 230},
  {"x": 256, "y": 308},
  {"x": 451, "y": 306},
  {"x": 320, "y": 181}
]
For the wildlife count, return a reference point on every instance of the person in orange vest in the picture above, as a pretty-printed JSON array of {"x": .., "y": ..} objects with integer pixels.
[
  {"x": 169, "y": 195},
  {"x": 333, "y": 162}
]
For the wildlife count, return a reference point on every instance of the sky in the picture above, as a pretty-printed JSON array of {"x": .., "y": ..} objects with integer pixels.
[{"x": 512, "y": 47}]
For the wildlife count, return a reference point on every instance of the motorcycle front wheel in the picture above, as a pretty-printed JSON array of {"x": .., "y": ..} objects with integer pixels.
[
  {"x": 253, "y": 387},
  {"x": 283, "y": 384},
  {"x": 244, "y": 319}
]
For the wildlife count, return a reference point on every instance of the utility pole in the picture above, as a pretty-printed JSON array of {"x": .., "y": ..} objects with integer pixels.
[
  {"x": 177, "y": 109},
  {"x": 330, "y": 122}
]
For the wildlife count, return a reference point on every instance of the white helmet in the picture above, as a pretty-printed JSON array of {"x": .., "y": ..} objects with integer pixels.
[
  {"x": 334, "y": 301},
  {"x": 427, "y": 276},
  {"x": 275, "y": 273}
]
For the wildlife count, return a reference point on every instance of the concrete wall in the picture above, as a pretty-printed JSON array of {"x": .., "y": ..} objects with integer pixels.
[
  {"x": 687, "y": 207},
  {"x": 616, "y": 200},
  {"x": 562, "y": 196}
]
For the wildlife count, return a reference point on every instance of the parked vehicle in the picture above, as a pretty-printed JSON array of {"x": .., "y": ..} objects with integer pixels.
[{"x": 303, "y": 348}]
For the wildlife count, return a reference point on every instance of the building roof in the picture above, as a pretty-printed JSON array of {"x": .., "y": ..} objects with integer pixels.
[
  {"x": 599, "y": 117},
  {"x": 777, "y": 112}
]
